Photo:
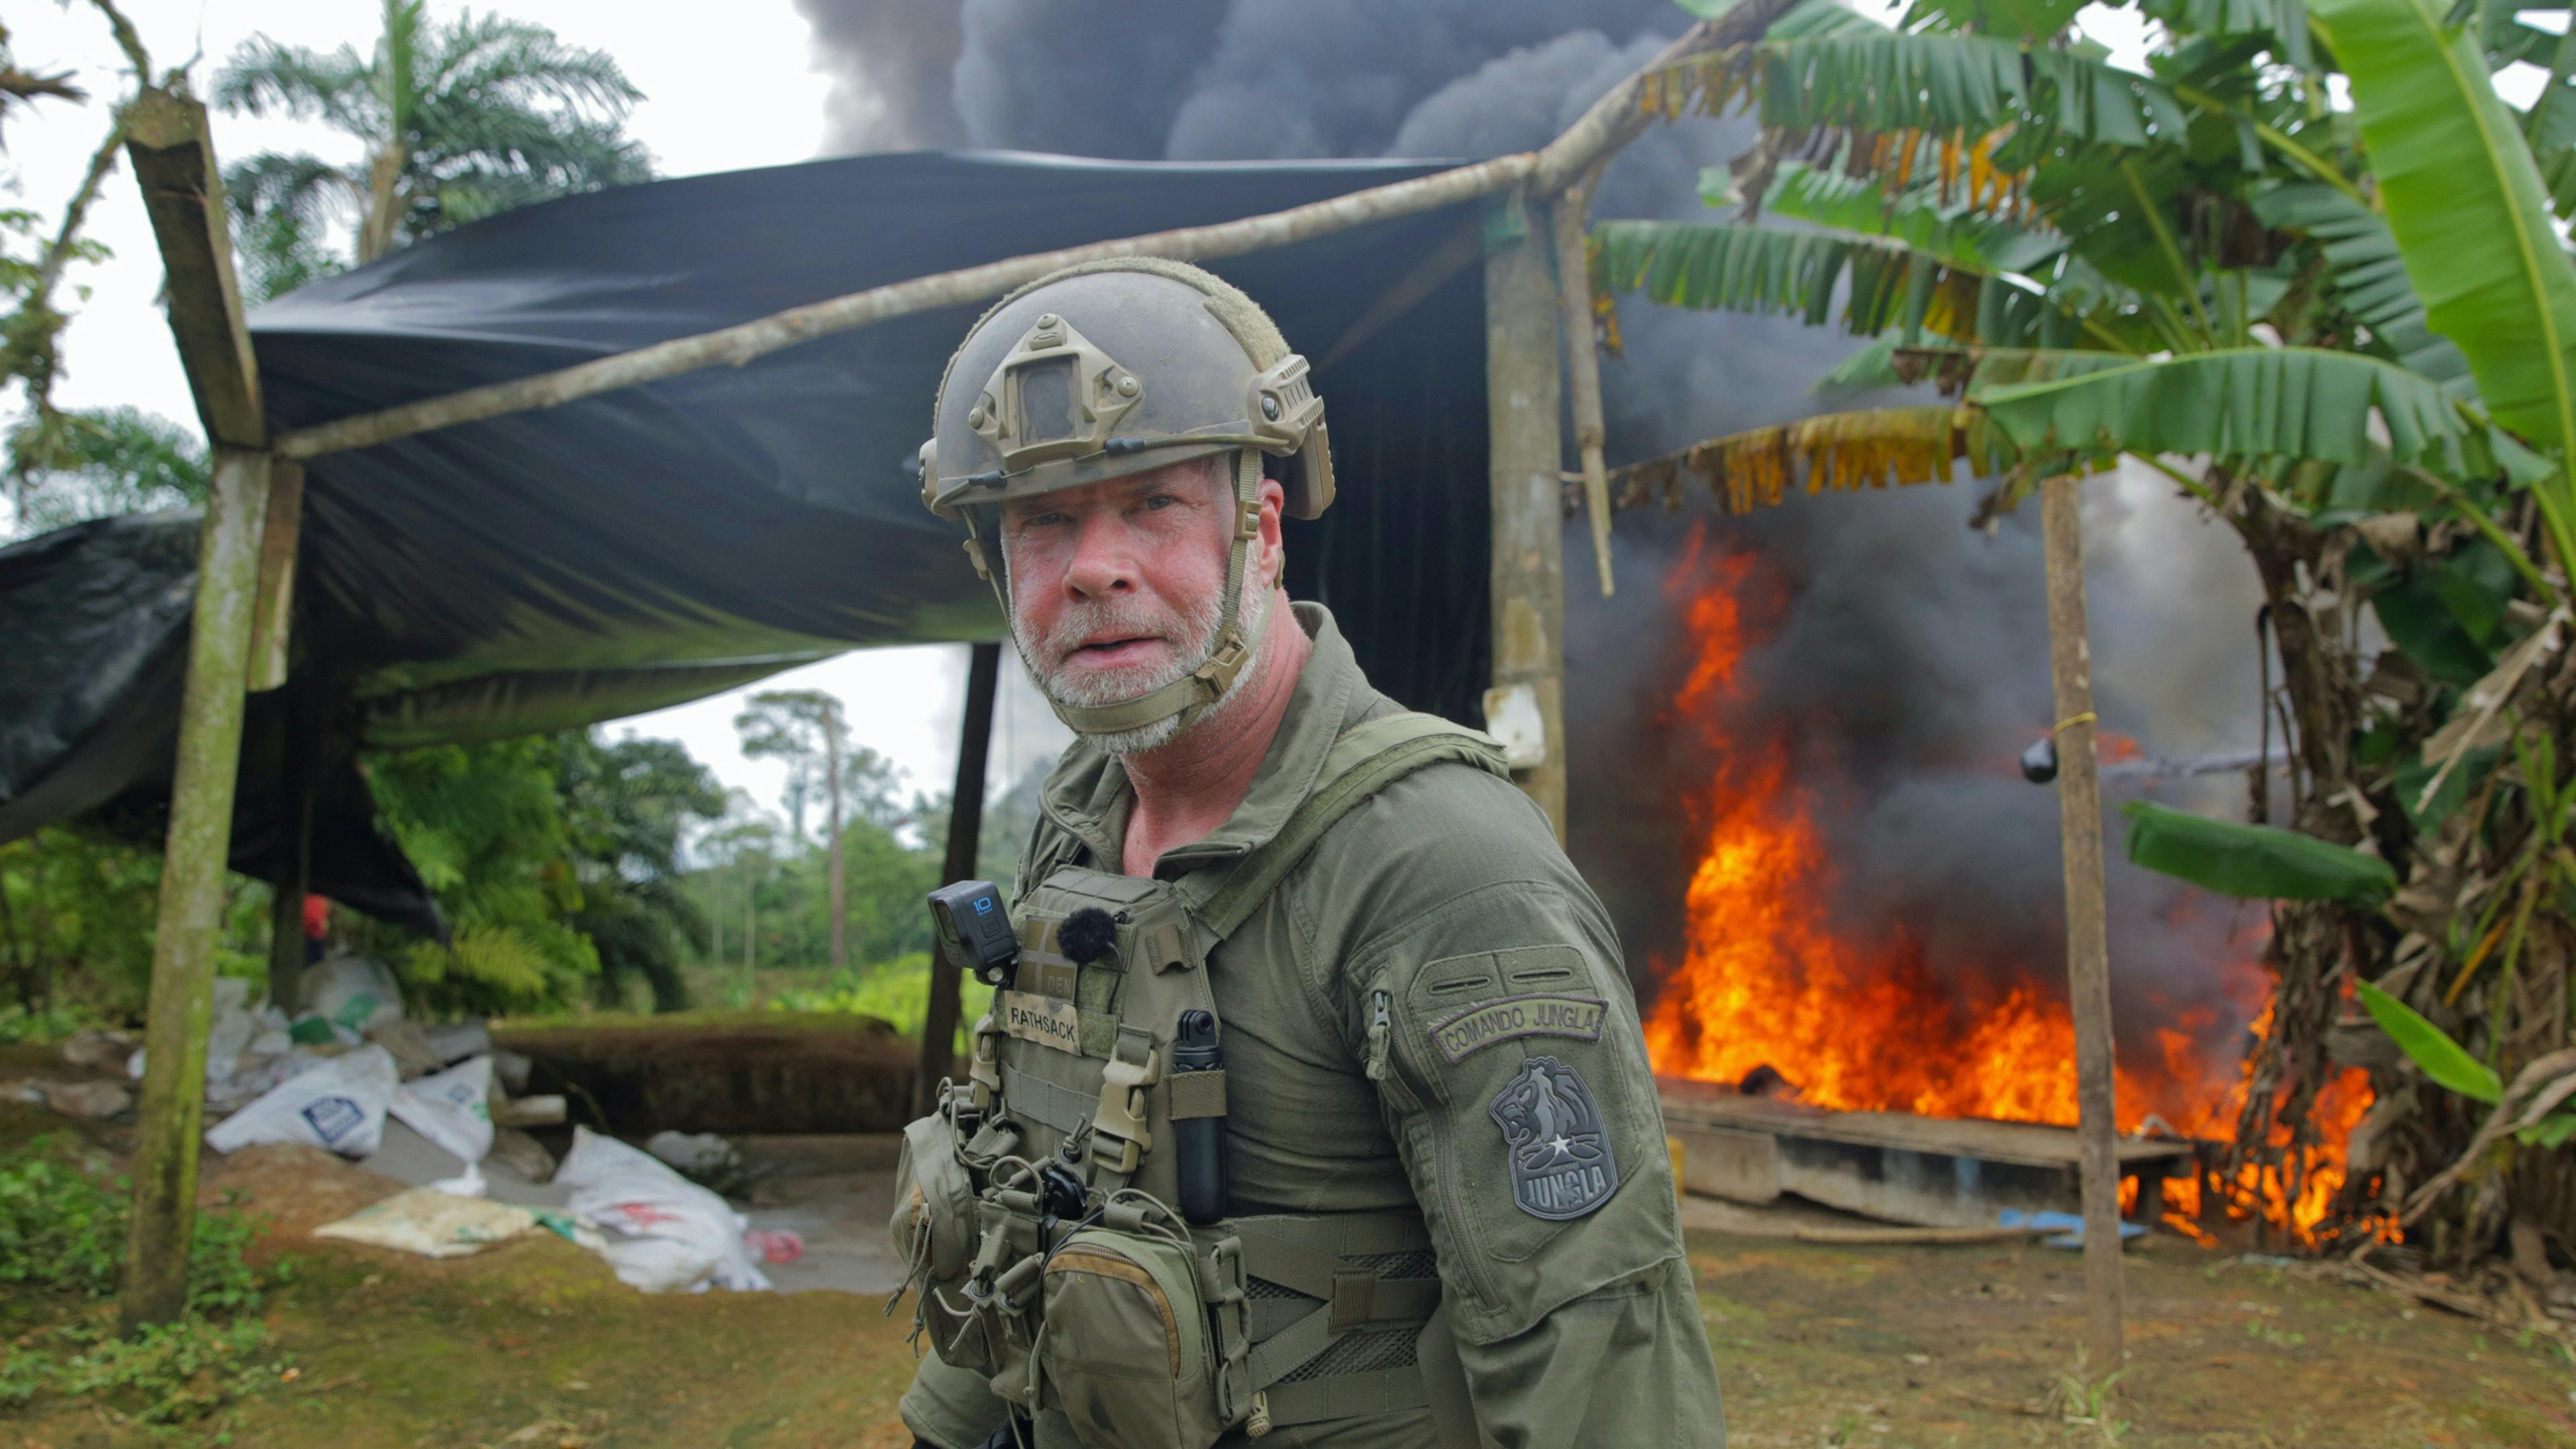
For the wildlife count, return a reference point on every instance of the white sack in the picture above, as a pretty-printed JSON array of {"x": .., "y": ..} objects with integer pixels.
[
  {"x": 452, "y": 1108},
  {"x": 664, "y": 1232},
  {"x": 433, "y": 1224},
  {"x": 339, "y": 1104}
]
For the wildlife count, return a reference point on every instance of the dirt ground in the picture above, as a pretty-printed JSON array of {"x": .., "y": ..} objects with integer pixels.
[{"x": 534, "y": 1343}]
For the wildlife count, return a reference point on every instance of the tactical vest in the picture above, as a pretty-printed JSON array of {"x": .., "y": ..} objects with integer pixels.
[{"x": 1038, "y": 1207}]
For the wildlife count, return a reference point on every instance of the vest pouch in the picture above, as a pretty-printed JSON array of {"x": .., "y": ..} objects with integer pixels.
[
  {"x": 934, "y": 1229},
  {"x": 1127, "y": 1355},
  {"x": 934, "y": 1212}
]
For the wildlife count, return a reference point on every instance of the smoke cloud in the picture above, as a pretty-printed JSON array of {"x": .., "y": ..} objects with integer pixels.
[{"x": 1907, "y": 664}]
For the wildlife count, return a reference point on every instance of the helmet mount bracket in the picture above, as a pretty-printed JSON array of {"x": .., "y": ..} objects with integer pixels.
[{"x": 1055, "y": 395}]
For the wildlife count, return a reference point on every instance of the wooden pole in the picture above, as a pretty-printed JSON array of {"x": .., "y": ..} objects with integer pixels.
[
  {"x": 298, "y": 779},
  {"x": 1583, "y": 366},
  {"x": 2088, "y": 967},
  {"x": 1525, "y": 464},
  {"x": 183, "y": 194},
  {"x": 965, "y": 839},
  {"x": 273, "y": 612},
  {"x": 181, "y": 1004}
]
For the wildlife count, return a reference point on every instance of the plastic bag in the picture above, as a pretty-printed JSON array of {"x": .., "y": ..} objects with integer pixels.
[
  {"x": 452, "y": 1108},
  {"x": 352, "y": 992},
  {"x": 665, "y": 1233},
  {"x": 230, "y": 1028},
  {"x": 338, "y": 1104}
]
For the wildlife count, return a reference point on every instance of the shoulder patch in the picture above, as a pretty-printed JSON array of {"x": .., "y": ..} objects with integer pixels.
[
  {"x": 1537, "y": 1014},
  {"x": 1562, "y": 1166}
]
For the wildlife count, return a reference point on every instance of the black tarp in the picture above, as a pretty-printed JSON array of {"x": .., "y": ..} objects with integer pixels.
[{"x": 659, "y": 544}]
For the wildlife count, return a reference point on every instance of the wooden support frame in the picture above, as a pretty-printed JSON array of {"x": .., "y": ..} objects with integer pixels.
[
  {"x": 965, "y": 842},
  {"x": 273, "y": 608},
  {"x": 181, "y": 1004},
  {"x": 2088, "y": 964},
  {"x": 174, "y": 162},
  {"x": 1583, "y": 365},
  {"x": 1525, "y": 467}
]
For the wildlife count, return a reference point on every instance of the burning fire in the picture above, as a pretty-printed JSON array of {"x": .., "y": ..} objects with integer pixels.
[{"x": 1860, "y": 1022}]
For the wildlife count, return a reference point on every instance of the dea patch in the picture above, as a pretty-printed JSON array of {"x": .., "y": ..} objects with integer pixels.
[{"x": 1561, "y": 1162}]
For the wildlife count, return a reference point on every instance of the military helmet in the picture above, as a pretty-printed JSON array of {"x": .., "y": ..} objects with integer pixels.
[{"x": 1113, "y": 368}]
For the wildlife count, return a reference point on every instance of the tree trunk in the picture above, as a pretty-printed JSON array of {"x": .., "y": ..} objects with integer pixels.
[
  {"x": 840, "y": 899},
  {"x": 384, "y": 197},
  {"x": 22, "y": 969}
]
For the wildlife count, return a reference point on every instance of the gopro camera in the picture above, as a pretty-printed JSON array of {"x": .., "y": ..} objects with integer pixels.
[{"x": 975, "y": 931}]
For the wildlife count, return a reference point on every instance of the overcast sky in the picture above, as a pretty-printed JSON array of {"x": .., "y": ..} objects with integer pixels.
[{"x": 737, "y": 93}]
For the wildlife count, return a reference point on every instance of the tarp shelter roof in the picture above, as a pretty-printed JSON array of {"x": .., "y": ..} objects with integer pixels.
[{"x": 654, "y": 545}]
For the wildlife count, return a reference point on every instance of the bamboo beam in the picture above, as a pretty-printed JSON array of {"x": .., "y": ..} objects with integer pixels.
[
  {"x": 192, "y": 895},
  {"x": 965, "y": 840},
  {"x": 740, "y": 344},
  {"x": 1525, "y": 460},
  {"x": 174, "y": 162},
  {"x": 2088, "y": 969},
  {"x": 273, "y": 608},
  {"x": 1583, "y": 365}
]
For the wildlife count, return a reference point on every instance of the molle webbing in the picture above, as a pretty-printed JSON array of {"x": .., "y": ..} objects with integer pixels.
[
  {"x": 1332, "y": 1263},
  {"x": 1365, "y": 759}
]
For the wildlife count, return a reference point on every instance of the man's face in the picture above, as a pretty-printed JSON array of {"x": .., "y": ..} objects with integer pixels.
[{"x": 1117, "y": 587}]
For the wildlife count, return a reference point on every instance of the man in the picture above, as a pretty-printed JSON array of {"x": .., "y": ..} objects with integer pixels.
[{"x": 1447, "y": 1213}]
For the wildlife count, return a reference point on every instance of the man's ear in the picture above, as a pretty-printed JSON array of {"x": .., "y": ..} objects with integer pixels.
[{"x": 1274, "y": 551}]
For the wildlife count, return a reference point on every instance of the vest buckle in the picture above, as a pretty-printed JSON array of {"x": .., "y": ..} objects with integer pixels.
[{"x": 1118, "y": 1128}]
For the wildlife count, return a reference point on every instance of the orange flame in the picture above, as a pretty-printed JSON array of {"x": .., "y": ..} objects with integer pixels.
[{"x": 1858, "y": 1021}]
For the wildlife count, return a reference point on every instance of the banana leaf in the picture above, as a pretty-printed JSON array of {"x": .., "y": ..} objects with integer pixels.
[
  {"x": 2464, "y": 200},
  {"x": 2254, "y": 862},
  {"x": 2247, "y": 403},
  {"x": 2369, "y": 275},
  {"x": 1860, "y": 206},
  {"x": 2442, "y": 1059},
  {"x": 1763, "y": 271}
]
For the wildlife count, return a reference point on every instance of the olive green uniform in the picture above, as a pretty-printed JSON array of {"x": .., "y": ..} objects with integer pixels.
[{"x": 1431, "y": 989}]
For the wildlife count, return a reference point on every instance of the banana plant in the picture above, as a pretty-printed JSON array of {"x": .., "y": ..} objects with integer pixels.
[{"x": 2305, "y": 264}]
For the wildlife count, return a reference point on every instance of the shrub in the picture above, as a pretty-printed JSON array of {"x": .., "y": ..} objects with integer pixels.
[{"x": 62, "y": 1235}]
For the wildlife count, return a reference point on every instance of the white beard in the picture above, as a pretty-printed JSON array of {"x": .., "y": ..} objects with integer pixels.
[{"x": 1091, "y": 689}]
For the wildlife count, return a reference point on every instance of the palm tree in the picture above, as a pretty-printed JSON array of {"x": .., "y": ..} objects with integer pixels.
[
  {"x": 2349, "y": 331},
  {"x": 459, "y": 121}
]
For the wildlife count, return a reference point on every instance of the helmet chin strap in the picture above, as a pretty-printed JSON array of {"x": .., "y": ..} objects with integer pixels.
[{"x": 1195, "y": 693}]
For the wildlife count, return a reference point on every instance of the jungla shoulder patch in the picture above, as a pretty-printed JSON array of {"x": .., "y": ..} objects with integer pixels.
[{"x": 1562, "y": 1166}]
